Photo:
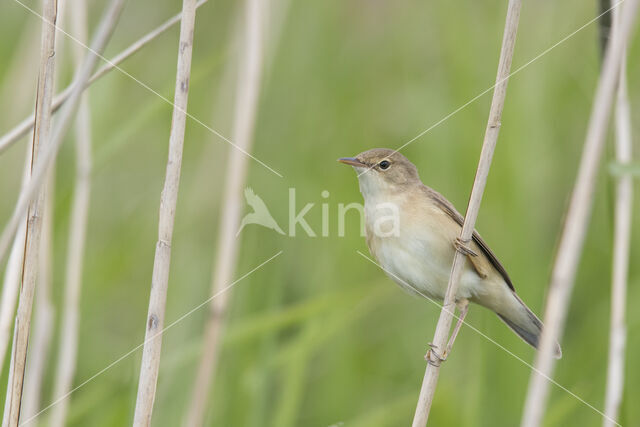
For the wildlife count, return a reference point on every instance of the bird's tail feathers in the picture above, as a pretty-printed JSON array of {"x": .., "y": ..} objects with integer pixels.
[{"x": 527, "y": 325}]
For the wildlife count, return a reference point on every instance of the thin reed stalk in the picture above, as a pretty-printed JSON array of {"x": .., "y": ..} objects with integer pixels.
[
  {"x": 39, "y": 343},
  {"x": 440, "y": 338},
  {"x": 21, "y": 129},
  {"x": 168, "y": 201},
  {"x": 621, "y": 246},
  {"x": 576, "y": 221},
  {"x": 27, "y": 202},
  {"x": 13, "y": 274},
  {"x": 103, "y": 33},
  {"x": 68, "y": 348},
  {"x": 35, "y": 207},
  {"x": 43, "y": 318},
  {"x": 247, "y": 94},
  {"x": 12, "y": 277}
]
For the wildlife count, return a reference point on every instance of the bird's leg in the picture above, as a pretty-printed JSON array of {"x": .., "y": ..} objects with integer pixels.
[
  {"x": 463, "y": 306},
  {"x": 462, "y": 246}
]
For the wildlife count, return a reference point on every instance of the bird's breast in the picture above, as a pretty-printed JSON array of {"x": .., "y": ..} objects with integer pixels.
[{"x": 418, "y": 257}]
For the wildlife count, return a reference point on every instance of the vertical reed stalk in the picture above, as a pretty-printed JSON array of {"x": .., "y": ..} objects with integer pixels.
[
  {"x": 12, "y": 274},
  {"x": 43, "y": 318},
  {"x": 10, "y": 290},
  {"x": 575, "y": 227},
  {"x": 488, "y": 146},
  {"x": 621, "y": 244},
  {"x": 39, "y": 344},
  {"x": 17, "y": 87},
  {"x": 168, "y": 201},
  {"x": 67, "y": 351},
  {"x": 42, "y": 127},
  {"x": 247, "y": 94}
]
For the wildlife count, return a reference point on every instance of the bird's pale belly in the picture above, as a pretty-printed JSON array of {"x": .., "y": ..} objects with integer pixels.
[{"x": 421, "y": 264}]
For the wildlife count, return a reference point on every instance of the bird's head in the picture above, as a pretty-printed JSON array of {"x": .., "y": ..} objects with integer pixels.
[{"x": 381, "y": 170}]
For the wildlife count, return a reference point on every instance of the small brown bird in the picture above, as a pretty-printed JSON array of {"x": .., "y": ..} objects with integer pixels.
[{"x": 412, "y": 232}]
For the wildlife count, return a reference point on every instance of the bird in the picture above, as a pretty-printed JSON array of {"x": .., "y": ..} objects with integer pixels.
[
  {"x": 413, "y": 232},
  {"x": 260, "y": 214}
]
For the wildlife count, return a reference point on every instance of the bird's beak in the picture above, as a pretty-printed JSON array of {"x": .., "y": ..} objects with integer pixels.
[{"x": 352, "y": 161}]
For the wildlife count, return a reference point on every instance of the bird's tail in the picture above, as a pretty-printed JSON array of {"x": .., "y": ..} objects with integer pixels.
[{"x": 525, "y": 324}]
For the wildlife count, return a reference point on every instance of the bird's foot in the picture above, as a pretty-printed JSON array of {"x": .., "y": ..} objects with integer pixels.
[
  {"x": 437, "y": 359},
  {"x": 462, "y": 247}
]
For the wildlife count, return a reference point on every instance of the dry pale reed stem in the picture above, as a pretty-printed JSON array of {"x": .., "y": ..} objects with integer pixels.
[
  {"x": 247, "y": 93},
  {"x": 575, "y": 227},
  {"x": 40, "y": 340},
  {"x": 621, "y": 243},
  {"x": 10, "y": 290},
  {"x": 21, "y": 129},
  {"x": 43, "y": 318},
  {"x": 13, "y": 273},
  {"x": 103, "y": 33},
  {"x": 26, "y": 202},
  {"x": 67, "y": 351},
  {"x": 35, "y": 208},
  {"x": 490, "y": 138},
  {"x": 168, "y": 200},
  {"x": 40, "y": 335},
  {"x": 20, "y": 90}
]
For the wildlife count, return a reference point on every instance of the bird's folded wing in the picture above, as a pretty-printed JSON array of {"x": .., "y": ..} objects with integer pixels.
[
  {"x": 477, "y": 264},
  {"x": 480, "y": 264}
]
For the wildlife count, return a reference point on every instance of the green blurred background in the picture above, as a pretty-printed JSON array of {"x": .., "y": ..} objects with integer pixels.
[{"x": 320, "y": 336}]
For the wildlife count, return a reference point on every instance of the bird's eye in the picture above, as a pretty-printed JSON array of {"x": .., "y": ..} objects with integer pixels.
[{"x": 385, "y": 164}]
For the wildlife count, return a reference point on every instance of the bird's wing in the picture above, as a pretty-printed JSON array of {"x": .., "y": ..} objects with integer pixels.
[{"x": 455, "y": 215}]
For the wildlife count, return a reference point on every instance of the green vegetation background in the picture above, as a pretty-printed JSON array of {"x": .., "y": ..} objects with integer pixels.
[{"x": 320, "y": 336}]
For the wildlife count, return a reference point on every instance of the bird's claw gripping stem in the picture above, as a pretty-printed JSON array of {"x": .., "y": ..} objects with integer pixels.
[
  {"x": 462, "y": 247},
  {"x": 463, "y": 306},
  {"x": 438, "y": 359}
]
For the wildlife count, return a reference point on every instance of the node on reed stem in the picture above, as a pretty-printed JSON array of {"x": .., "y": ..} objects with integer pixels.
[
  {"x": 440, "y": 339},
  {"x": 35, "y": 208},
  {"x": 168, "y": 201},
  {"x": 43, "y": 318}
]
